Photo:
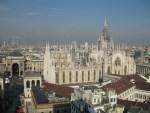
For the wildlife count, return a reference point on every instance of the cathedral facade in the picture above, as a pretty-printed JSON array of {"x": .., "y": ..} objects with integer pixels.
[
  {"x": 117, "y": 58},
  {"x": 86, "y": 63}
]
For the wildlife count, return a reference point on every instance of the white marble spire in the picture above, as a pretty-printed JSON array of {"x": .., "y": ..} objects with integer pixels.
[{"x": 105, "y": 22}]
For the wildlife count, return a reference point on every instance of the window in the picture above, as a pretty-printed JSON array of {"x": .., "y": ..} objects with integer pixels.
[
  {"x": 94, "y": 100},
  {"x": 108, "y": 70},
  {"x": 63, "y": 77},
  {"x": 94, "y": 74},
  {"x": 27, "y": 84},
  {"x": 118, "y": 62},
  {"x": 88, "y": 75},
  {"x": 99, "y": 73},
  {"x": 33, "y": 83},
  {"x": 70, "y": 76},
  {"x": 111, "y": 100},
  {"x": 82, "y": 76},
  {"x": 125, "y": 70},
  {"x": 21, "y": 72},
  {"x": 57, "y": 77},
  {"x": 38, "y": 83},
  {"x": 76, "y": 76}
]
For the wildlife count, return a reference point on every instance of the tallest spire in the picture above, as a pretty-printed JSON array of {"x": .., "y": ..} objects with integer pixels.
[
  {"x": 105, "y": 22},
  {"x": 105, "y": 31}
]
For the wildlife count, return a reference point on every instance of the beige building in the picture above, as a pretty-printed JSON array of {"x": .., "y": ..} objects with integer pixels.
[
  {"x": 143, "y": 65},
  {"x": 94, "y": 98},
  {"x": 15, "y": 63},
  {"x": 31, "y": 79},
  {"x": 34, "y": 63}
]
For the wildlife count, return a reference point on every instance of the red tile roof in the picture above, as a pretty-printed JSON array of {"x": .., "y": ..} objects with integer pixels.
[
  {"x": 59, "y": 89},
  {"x": 119, "y": 86},
  {"x": 143, "y": 86},
  {"x": 125, "y": 83},
  {"x": 137, "y": 78}
]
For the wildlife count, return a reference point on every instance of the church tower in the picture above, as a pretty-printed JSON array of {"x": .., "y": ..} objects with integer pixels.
[
  {"x": 49, "y": 68},
  {"x": 104, "y": 41}
]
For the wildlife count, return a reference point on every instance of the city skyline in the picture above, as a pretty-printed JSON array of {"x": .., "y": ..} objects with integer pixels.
[
  {"x": 31, "y": 21},
  {"x": 74, "y": 56}
]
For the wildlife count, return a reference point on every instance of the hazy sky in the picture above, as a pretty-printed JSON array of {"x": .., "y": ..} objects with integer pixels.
[{"x": 81, "y": 20}]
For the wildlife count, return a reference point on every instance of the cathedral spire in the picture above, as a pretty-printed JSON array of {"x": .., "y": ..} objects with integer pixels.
[
  {"x": 47, "y": 46},
  {"x": 105, "y": 22},
  {"x": 105, "y": 31}
]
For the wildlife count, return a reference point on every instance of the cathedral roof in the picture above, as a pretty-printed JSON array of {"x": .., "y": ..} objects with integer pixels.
[{"x": 15, "y": 54}]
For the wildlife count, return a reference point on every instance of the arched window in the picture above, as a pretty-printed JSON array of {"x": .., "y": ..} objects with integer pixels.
[
  {"x": 118, "y": 62},
  {"x": 82, "y": 76},
  {"x": 27, "y": 84},
  {"x": 70, "y": 76},
  {"x": 33, "y": 83},
  {"x": 125, "y": 70},
  {"x": 57, "y": 77},
  {"x": 63, "y": 77},
  {"x": 38, "y": 83},
  {"x": 108, "y": 70},
  {"x": 88, "y": 75},
  {"x": 76, "y": 76},
  {"x": 15, "y": 69},
  {"x": 94, "y": 74}
]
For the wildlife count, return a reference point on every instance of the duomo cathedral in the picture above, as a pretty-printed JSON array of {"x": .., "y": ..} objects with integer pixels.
[{"x": 87, "y": 63}]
